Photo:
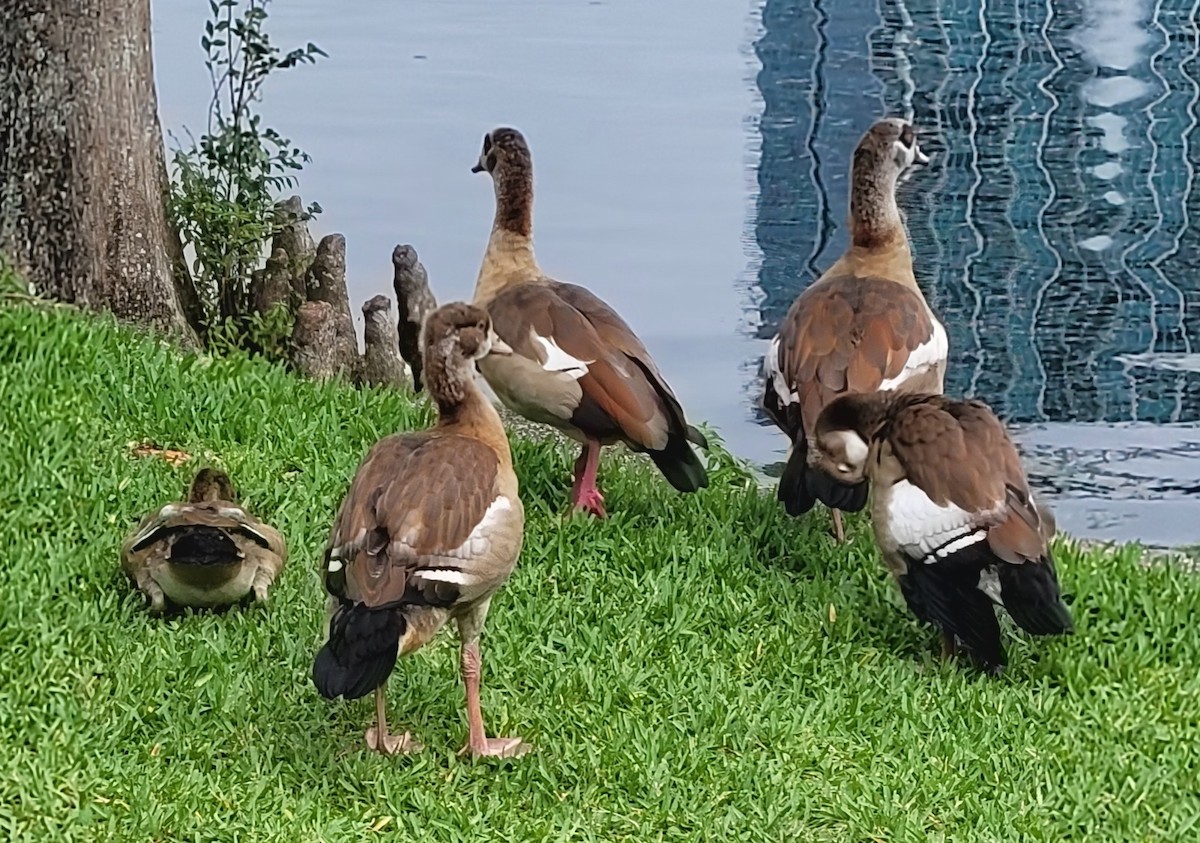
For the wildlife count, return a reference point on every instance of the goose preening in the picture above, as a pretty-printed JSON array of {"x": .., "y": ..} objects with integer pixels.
[
  {"x": 204, "y": 552},
  {"x": 576, "y": 365},
  {"x": 953, "y": 513},
  {"x": 863, "y": 326},
  {"x": 429, "y": 530}
]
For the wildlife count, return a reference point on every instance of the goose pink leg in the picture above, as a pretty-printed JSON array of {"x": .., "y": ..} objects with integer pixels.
[
  {"x": 478, "y": 743},
  {"x": 383, "y": 741},
  {"x": 585, "y": 494}
]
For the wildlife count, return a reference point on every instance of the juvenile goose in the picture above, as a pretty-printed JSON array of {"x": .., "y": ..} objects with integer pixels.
[
  {"x": 577, "y": 366},
  {"x": 204, "y": 552},
  {"x": 862, "y": 326},
  {"x": 952, "y": 512},
  {"x": 430, "y": 528}
]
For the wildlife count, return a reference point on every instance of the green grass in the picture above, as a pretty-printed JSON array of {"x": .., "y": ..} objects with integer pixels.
[{"x": 696, "y": 668}]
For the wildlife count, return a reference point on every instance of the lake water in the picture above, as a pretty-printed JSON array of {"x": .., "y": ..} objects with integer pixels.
[{"x": 692, "y": 158}]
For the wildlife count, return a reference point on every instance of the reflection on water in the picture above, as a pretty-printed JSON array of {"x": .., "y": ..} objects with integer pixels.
[
  {"x": 673, "y": 139},
  {"x": 1116, "y": 479},
  {"x": 1052, "y": 229}
]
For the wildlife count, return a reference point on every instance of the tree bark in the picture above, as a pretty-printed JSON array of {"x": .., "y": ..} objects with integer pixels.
[
  {"x": 327, "y": 283},
  {"x": 381, "y": 363},
  {"x": 83, "y": 178},
  {"x": 294, "y": 238},
  {"x": 314, "y": 340},
  {"x": 273, "y": 285},
  {"x": 414, "y": 302}
]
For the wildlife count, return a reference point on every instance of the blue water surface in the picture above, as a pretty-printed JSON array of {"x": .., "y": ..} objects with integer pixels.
[{"x": 692, "y": 159}]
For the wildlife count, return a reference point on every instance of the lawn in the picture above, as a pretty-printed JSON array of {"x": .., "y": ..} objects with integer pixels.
[{"x": 695, "y": 668}]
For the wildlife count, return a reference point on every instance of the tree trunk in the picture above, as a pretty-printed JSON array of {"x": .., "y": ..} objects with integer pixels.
[
  {"x": 414, "y": 302},
  {"x": 314, "y": 340},
  {"x": 381, "y": 363},
  {"x": 327, "y": 283},
  {"x": 82, "y": 173}
]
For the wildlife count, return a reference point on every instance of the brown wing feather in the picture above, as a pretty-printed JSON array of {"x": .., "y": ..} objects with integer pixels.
[
  {"x": 849, "y": 334},
  {"x": 222, "y": 515},
  {"x": 1023, "y": 534},
  {"x": 952, "y": 462},
  {"x": 622, "y": 381},
  {"x": 959, "y": 452},
  {"x": 414, "y": 495}
]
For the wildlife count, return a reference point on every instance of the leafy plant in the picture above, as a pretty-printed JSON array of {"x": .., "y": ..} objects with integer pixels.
[
  {"x": 222, "y": 194},
  {"x": 261, "y": 333}
]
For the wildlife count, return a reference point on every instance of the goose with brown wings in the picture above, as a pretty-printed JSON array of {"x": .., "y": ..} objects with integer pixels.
[
  {"x": 204, "y": 552},
  {"x": 429, "y": 530},
  {"x": 576, "y": 365},
  {"x": 863, "y": 326},
  {"x": 952, "y": 511}
]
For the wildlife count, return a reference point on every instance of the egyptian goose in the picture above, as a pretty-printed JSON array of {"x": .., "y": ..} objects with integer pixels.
[
  {"x": 203, "y": 552},
  {"x": 430, "y": 528},
  {"x": 577, "y": 366},
  {"x": 953, "y": 513},
  {"x": 862, "y": 326}
]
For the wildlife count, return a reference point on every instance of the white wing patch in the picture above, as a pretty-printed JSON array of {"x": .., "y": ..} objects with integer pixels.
[
  {"x": 458, "y": 566},
  {"x": 445, "y": 575},
  {"x": 476, "y": 544},
  {"x": 958, "y": 544},
  {"x": 923, "y": 358},
  {"x": 925, "y": 530},
  {"x": 771, "y": 369},
  {"x": 558, "y": 360}
]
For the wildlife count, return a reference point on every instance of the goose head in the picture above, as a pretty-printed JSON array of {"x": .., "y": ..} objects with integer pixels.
[
  {"x": 891, "y": 145},
  {"x": 211, "y": 484},
  {"x": 462, "y": 332},
  {"x": 840, "y": 445},
  {"x": 503, "y": 148}
]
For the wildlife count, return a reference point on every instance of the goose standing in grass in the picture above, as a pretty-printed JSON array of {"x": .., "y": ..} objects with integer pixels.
[
  {"x": 203, "y": 552},
  {"x": 576, "y": 365},
  {"x": 429, "y": 530},
  {"x": 952, "y": 511},
  {"x": 863, "y": 326}
]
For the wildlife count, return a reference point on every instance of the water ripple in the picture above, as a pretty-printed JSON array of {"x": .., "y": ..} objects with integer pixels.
[{"x": 1052, "y": 230}]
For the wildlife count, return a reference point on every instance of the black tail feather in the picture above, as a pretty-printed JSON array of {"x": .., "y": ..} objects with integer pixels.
[
  {"x": 835, "y": 495},
  {"x": 800, "y": 486},
  {"x": 1031, "y": 597},
  {"x": 360, "y": 653},
  {"x": 949, "y": 598},
  {"x": 696, "y": 437},
  {"x": 793, "y": 490},
  {"x": 680, "y": 465},
  {"x": 199, "y": 545}
]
